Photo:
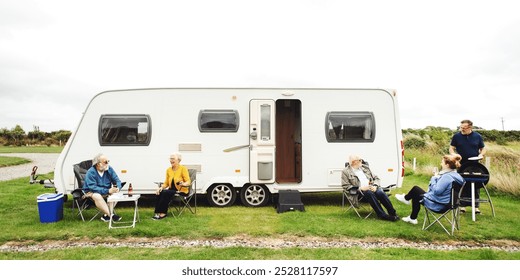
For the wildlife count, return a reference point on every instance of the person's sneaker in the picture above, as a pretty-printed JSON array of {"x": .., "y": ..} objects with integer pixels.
[
  {"x": 401, "y": 198},
  {"x": 410, "y": 220},
  {"x": 158, "y": 217},
  {"x": 105, "y": 218},
  {"x": 116, "y": 218}
]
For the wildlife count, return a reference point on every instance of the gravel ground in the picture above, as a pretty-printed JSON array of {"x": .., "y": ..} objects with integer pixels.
[
  {"x": 45, "y": 163},
  {"x": 254, "y": 242}
]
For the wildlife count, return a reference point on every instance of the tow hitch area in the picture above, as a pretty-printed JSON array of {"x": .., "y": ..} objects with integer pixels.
[{"x": 47, "y": 183}]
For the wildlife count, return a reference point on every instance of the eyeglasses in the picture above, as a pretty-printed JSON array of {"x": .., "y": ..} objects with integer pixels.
[{"x": 105, "y": 162}]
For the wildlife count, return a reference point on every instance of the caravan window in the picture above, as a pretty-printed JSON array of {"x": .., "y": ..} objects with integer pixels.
[
  {"x": 218, "y": 121},
  {"x": 350, "y": 127},
  {"x": 124, "y": 130}
]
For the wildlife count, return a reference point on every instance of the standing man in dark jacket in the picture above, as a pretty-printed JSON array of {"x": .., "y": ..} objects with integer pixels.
[{"x": 468, "y": 144}]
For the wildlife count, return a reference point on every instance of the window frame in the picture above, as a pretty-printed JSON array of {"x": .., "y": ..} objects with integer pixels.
[
  {"x": 368, "y": 114},
  {"x": 218, "y": 130},
  {"x": 125, "y": 116}
]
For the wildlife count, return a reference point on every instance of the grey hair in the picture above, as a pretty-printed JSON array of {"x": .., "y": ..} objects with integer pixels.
[
  {"x": 97, "y": 159},
  {"x": 179, "y": 156},
  {"x": 352, "y": 158}
]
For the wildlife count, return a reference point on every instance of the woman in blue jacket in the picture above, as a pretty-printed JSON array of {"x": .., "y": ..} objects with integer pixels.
[{"x": 439, "y": 189}]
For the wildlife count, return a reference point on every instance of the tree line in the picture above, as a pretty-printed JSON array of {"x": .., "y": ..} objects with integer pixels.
[{"x": 18, "y": 137}]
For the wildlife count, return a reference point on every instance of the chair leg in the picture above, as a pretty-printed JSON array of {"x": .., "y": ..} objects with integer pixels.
[
  {"x": 185, "y": 204},
  {"x": 355, "y": 209},
  {"x": 438, "y": 219},
  {"x": 95, "y": 216},
  {"x": 80, "y": 209},
  {"x": 174, "y": 209}
]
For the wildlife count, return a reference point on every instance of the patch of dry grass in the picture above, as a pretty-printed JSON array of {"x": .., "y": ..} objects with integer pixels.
[{"x": 504, "y": 168}]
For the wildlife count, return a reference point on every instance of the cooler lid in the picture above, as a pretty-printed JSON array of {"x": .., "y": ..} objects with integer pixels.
[{"x": 50, "y": 196}]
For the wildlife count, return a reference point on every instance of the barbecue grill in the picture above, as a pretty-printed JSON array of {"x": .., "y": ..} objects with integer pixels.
[{"x": 476, "y": 176}]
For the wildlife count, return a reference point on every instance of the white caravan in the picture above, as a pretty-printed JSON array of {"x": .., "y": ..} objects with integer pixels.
[{"x": 247, "y": 143}]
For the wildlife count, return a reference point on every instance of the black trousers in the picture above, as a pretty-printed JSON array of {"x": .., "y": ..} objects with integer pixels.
[
  {"x": 163, "y": 200},
  {"x": 416, "y": 194},
  {"x": 374, "y": 198}
]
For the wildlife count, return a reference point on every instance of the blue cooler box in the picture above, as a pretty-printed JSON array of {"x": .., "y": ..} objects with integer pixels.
[{"x": 50, "y": 207}]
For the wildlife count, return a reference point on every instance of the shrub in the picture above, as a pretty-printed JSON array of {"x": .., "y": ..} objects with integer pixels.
[{"x": 412, "y": 141}]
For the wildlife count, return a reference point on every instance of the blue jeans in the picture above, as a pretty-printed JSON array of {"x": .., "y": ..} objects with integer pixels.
[{"x": 374, "y": 198}]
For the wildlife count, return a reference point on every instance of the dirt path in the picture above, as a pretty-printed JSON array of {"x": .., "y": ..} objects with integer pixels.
[{"x": 44, "y": 161}]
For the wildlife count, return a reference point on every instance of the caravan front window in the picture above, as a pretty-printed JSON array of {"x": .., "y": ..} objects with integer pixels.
[
  {"x": 124, "y": 130},
  {"x": 218, "y": 121},
  {"x": 350, "y": 127}
]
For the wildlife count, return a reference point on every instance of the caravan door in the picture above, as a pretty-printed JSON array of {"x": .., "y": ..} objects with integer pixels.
[{"x": 262, "y": 143}]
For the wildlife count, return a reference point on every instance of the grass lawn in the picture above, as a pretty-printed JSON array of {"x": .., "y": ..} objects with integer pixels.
[
  {"x": 10, "y": 161},
  {"x": 30, "y": 149},
  {"x": 324, "y": 218}
]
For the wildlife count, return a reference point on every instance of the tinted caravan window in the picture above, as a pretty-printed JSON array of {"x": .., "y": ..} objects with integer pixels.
[
  {"x": 350, "y": 127},
  {"x": 125, "y": 130},
  {"x": 218, "y": 121}
]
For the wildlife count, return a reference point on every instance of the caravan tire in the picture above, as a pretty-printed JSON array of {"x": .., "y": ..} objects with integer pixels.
[
  {"x": 254, "y": 195},
  {"x": 221, "y": 195}
]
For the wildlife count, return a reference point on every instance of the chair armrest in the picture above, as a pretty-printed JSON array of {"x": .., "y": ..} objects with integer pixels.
[
  {"x": 77, "y": 193},
  {"x": 388, "y": 188},
  {"x": 353, "y": 190}
]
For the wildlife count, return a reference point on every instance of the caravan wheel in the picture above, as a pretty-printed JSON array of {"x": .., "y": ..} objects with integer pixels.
[
  {"x": 221, "y": 195},
  {"x": 254, "y": 195}
]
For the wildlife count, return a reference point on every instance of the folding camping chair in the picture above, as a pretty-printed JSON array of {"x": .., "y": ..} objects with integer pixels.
[
  {"x": 181, "y": 202},
  {"x": 450, "y": 213},
  {"x": 355, "y": 198},
  {"x": 80, "y": 200}
]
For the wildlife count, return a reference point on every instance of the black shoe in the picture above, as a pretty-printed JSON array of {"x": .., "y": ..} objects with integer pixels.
[
  {"x": 394, "y": 218},
  {"x": 105, "y": 218},
  {"x": 390, "y": 218},
  {"x": 116, "y": 218}
]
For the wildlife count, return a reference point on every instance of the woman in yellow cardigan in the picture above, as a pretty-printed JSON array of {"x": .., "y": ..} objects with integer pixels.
[{"x": 177, "y": 181}]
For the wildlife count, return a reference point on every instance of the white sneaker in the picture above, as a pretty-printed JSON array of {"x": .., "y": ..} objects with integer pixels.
[
  {"x": 409, "y": 220},
  {"x": 401, "y": 198}
]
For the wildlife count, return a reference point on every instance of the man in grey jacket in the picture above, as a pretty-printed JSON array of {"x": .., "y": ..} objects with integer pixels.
[{"x": 358, "y": 174}]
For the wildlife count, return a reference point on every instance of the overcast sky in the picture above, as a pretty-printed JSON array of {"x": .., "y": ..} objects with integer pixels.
[{"x": 448, "y": 60}]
